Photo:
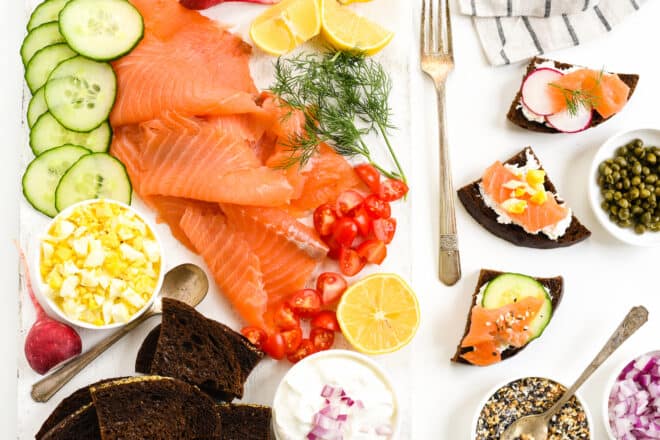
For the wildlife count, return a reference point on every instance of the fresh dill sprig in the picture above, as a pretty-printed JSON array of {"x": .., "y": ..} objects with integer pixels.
[
  {"x": 580, "y": 98},
  {"x": 343, "y": 96}
]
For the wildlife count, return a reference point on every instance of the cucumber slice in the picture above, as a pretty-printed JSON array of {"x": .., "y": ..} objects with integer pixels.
[
  {"x": 37, "y": 107},
  {"x": 95, "y": 176},
  {"x": 42, "y": 36},
  {"x": 44, "y": 62},
  {"x": 45, "y": 13},
  {"x": 102, "y": 30},
  {"x": 512, "y": 287},
  {"x": 80, "y": 93},
  {"x": 44, "y": 173},
  {"x": 47, "y": 134}
]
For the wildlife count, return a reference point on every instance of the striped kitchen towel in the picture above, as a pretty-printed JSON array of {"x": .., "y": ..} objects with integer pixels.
[{"x": 514, "y": 30}]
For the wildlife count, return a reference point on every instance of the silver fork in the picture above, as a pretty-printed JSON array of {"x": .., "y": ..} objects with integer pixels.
[{"x": 437, "y": 61}]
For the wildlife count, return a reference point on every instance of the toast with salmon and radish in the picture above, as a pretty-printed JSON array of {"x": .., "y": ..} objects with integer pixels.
[
  {"x": 558, "y": 97},
  {"x": 517, "y": 202},
  {"x": 508, "y": 311}
]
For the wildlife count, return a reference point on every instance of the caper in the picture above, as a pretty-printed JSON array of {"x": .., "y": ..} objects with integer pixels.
[
  {"x": 638, "y": 143},
  {"x": 625, "y": 223},
  {"x": 645, "y": 218},
  {"x": 633, "y": 193},
  {"x": 605, "y": 206},
  {"x": 624, "y": 214},
  {"x": 620, "y": 161},
  {"x": 637, "y": 169},
  {"x": 640, "y": 229},
  {"x": 651, "y": 158},
  {"x": 625, "y": 183},
  {"x": 657, "y": 191},
  {"x": 607, "y": 171},
  {"x": 618, "y": 185},
  {"x": 608, "y": 195},
  {"x": 639, "y": 151},
  {"x": 614, "y": 209},
  {"x": 651, "y": 178},
  {"x": 622, "y": 151},
  {"x": 617, "y": 195},
  {"x": 615, "y": 166},
  {"x": 636, "y": 180},
  {"x": 623, "y": 203},
  {"x": 636, "y": 210},
  {"x": 644, "y": 193}
]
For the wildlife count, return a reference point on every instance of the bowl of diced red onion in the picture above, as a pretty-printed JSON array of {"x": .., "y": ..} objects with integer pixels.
[{"x": 632, "y": 402}]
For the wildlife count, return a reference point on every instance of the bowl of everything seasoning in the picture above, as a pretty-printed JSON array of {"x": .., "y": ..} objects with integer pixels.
[{"x": 517, "y": 398}]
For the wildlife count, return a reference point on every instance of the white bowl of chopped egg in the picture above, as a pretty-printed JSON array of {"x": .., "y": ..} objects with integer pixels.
[{"x": 100, "y": 264}]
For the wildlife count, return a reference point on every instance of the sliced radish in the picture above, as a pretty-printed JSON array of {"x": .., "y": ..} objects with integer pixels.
[
  {"x": 568, "y": 123},
  {"x": 535, "y": 94}
]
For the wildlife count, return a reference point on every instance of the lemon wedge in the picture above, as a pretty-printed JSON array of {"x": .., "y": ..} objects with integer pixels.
[{"x": 281, "y": 28}]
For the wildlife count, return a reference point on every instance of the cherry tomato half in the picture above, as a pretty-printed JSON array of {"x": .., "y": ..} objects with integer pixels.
[
  {"x": 384, "y": 229},
  {"x": 322, "y": 338},
  {"x": 255, "y": 335},
  {"x": 376, "y": 207},
  {"x": 374, "y": 251},
  {"x": 350, "y": 262},
  {"x": 345, "y": 231},
  {"x": 327, "y": 319},
  {"x": 369, "y": 175},
  {"x": 292, "y": 339},
  {"x": 362, "y": 220},
  {"x": 324, "y": 219},
  {"x": 274, "y": 346},
  {"x": 392, "y": 189},
  {"x": 305, "y": 349},
  {"x": 305, "y": 303},
  {"x": 331, "y": 286},
  {"x": 285, "y": 318},
  {"x": 333, "y": 246},
  {"x": 348, "y": 201}
]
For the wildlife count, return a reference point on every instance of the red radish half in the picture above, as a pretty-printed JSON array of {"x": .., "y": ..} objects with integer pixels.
[
  {"x": 568, "y": 123},
  {"x": 535, "y": 94}
]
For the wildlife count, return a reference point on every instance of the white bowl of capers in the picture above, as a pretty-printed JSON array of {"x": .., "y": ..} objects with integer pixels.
[{"x": 624, "y": 186}]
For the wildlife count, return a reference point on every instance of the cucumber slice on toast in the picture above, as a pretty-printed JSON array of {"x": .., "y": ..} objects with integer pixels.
[
  {"x": 95, "y": 176},
  {"x": 42, "y": 36},
  {"x": 45, "y": 13},
  {"x": 47, "y": 133},
  {"x": 44, "y": 173},
  {"x": 37, "y": 107},
  {"x": 102, "y": 30},
  {"x": 80, "y": 93},
  {"x": 44, "y": 62}
]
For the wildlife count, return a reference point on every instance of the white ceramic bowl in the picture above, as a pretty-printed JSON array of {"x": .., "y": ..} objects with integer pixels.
[
  {"x": 608, "y": 389},
  {"x": 482, "y": 403},
  {"x": 42, "y": 288},
  {"x": 650, "y": 136},
  {"x": 357, "y": 357}
]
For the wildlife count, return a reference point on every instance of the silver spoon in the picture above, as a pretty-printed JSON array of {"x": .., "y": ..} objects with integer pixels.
[
  {"x": 187, "y": 283},
  {"x": 535, "y": 427}
]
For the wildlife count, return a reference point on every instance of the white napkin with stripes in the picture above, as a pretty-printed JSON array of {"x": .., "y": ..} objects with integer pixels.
[{"x": 514, "y": 30}]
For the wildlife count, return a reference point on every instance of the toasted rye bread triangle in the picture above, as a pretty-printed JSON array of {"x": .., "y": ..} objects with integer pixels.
[
  {"x": 554, "y": 285},
  {"x": 245, "y": 422},
  {"x": 471, "y": 198},
  {"x": 516, "y": 115},
  {"x": 81, "y": 424}
]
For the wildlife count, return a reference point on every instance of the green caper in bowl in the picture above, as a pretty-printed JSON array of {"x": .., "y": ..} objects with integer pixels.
[{"x": 630, "y": 186}]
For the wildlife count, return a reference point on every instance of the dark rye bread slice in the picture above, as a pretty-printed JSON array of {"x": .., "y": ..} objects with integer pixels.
[
  {"x": 471, "y": 198},
  {"x": 554, "y": 285},
  {"x": 245, "y": 422},
  {"x": 155, "y": 408},
  {"x": 516, "y": 115},
  {"x": 82, "y": 424}
]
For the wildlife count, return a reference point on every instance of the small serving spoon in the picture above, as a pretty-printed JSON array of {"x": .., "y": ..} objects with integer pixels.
[
  {"x": 187, "y": 283},
  {"x": 535, "y": 427}
]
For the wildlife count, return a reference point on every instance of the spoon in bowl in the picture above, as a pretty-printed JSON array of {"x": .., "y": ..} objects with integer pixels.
[
  {"x": 535, "y": 427},
  {"x": 187, "y": 283}
]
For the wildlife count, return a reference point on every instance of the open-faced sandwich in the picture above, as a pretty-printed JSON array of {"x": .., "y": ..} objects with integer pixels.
[
  {"x": 517, "y": 202},
  {"x": 562, "y": 98},
  {"x": 509, "y": 310}
]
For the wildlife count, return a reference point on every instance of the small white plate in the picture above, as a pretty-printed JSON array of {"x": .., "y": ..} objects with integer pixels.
[{"x": 650, "y": 136}]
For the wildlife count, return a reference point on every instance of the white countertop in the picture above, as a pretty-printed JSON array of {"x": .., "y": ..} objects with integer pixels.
[{"x": 603, "y": 278}]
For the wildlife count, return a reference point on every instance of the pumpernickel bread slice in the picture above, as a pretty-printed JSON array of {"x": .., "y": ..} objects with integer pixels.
[
  {"x": 471, "y": 198},
  {"x": 554, "y": 285},
  {"x": 516, "y": 115},
  {"x": 81, "y": 424},
  {"x": 155, "y": 408},
  {"x": 245, "y": 422}
]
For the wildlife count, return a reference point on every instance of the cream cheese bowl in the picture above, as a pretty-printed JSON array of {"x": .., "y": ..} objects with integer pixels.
[
  {"x": 44, "y": 289},
  {"x": 302, "y": 369}
]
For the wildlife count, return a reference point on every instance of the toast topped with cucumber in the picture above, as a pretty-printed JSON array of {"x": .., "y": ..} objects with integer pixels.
[{"x": 508, "y": 311}]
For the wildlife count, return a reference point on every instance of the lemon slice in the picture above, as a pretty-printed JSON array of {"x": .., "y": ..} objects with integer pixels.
[
  {"x": 284, "y": 26},
  {"x": 346, "y": 30},
  {"x": 379, "y": 314}
]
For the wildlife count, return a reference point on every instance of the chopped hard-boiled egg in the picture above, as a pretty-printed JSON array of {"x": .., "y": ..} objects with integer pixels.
[{"x": 100, "y": 264}]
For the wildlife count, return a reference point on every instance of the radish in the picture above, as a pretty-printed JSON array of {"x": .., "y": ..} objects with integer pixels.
[
  {"x": 566, "y": 122},
  {"x": 49, "y": 342},
  {"x": 535, "y": 90},
  {"x": 204, "y": 4}
]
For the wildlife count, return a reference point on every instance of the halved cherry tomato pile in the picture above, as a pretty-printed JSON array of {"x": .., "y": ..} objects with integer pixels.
[
  {"x": 309, "y": 304},
  {"x": 357, "y": 229}
]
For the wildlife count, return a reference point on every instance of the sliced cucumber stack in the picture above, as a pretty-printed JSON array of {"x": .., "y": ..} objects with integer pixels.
[
  {"x": 80, "y": 93},
  {"x": 44, "y": 62},
  {"x": 509, "y": 288},
  {"x": 37, "y": 107},
  {"x": 45, "y": 13},
  {"x": 42, "y": 36},
  {"x": 94, "y": 176},
  {"x": 47, "y": 134},
  {"x": 44, "y": 173},
  {"x": 102, "y": 30}
]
